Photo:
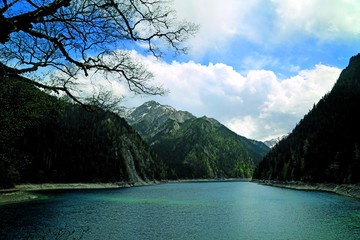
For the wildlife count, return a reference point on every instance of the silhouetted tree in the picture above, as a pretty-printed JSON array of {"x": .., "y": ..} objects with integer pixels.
[{"x": 73, "y": 37}]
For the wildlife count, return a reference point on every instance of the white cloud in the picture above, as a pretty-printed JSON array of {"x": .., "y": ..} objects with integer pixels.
[
  {"x": 324, "y": 20},
  {"x": 219, "y": 21},
  {"x": 247, "y": 125},
  {"x": 258, "y": 105},
  {"x": 295, "y": 95}
]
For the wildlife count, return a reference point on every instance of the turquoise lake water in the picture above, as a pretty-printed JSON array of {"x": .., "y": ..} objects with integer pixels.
[{"x": 202, "y": 210}]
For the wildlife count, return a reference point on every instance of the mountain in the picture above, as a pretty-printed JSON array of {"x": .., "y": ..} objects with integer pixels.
[
  {"x": 194, "y": 147},
  {"x": 325, "y": 145},
  {"x": 272, "y": 142},
  {"x": 152, "y": 120},
  {"x": 43, "y": 139}
]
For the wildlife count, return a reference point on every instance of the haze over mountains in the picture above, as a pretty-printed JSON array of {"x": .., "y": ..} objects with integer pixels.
[
  {"x": 194, "y": 147},
  {"x": 272, "y": 142}
]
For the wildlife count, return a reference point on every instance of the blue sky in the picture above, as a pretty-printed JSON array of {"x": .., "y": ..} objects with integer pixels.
[{"x": 257, "y": 66}]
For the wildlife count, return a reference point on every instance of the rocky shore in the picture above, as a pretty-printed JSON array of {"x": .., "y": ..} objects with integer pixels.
[
  {"x": 16, "y": 196},
  {"x": 350, "y": 190}
]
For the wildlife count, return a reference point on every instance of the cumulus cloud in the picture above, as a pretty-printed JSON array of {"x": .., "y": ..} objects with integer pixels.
[
  {"x": 282, "y": 103},
  {"x": 258, "y": 105},
  {"x": 296, "y": 94},
  {"x": 247, "y": 125}
]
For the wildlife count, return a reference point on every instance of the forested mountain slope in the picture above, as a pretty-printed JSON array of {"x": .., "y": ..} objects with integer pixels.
[
  {"x": 43, "y": 139},
  {"x": 194, "y": 147},
  {"x": 325, "y": 145}
]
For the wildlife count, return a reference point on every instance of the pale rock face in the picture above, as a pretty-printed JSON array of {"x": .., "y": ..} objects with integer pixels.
[{"x": 132, "y": 173}]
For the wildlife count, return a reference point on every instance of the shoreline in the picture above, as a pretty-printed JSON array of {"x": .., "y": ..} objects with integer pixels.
[
  {"x": 207, "y": 180},
  {"x": 349, "y": 190},
  {"x": 69, "y": 186},
  {"x": 29, "y": 192},
  {"x": 26, "y": 192}
]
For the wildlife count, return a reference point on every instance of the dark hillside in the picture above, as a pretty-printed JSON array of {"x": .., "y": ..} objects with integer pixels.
[
  {"x": 43, "y": 139},
  {"x": 325, "y": 145}
]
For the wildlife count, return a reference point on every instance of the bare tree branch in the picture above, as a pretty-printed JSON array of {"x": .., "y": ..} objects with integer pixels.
[{"x": 86, "y": 35}]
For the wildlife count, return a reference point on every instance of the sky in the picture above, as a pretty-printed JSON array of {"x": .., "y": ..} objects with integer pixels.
[{"x": 256, "y": 66}]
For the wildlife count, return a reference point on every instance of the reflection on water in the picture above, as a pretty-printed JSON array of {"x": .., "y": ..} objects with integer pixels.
[{"x": 215, "y": 210}]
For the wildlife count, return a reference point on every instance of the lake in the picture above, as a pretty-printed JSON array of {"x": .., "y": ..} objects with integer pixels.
[{"x": 199, "y": 210}]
